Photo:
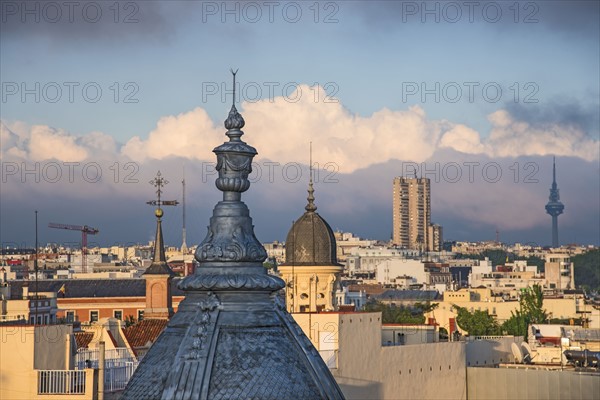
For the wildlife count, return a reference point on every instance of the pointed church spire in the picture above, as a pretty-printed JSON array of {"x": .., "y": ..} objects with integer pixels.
[
  {"x": 311, "y": 207},
  {"x": 159, "y": 260},
  {"x": 184, "y": 248},
  {"x": 159, "y": 244}
]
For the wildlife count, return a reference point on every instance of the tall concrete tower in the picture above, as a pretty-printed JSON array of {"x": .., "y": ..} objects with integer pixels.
[
  {"x": 554, "y": 206},
  {"x": 412, "y": 212}
]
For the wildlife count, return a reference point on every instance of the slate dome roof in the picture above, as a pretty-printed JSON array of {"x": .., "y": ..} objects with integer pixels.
[{"x": 310, "y": 241}]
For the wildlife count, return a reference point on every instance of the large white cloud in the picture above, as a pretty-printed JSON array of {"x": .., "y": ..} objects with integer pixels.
[
  {"x": 190, "y": 135},
  {"x": 358, "y": 145},
  {"x": 281, "y": 129},
  {"x": 510, "y": 137}
]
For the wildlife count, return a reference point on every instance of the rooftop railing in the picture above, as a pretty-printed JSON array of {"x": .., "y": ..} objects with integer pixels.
[{"x": 61, "y": 382}]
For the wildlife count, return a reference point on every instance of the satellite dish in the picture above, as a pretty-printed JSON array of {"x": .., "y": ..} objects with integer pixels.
[
  {"x": 517, "y": 353},
  {"x": 526, "y": 350}
]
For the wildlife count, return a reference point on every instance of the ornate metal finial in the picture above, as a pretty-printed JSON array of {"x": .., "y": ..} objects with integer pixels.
[
  {"x": 159, "y": 248},
  {"x": 233, "y": 73},
  {"x": 311, "y": 207},
  {"x": 231, "y": 234},
  {"x": 159, "y": 182},
  {"x": 234, "y": 121}
]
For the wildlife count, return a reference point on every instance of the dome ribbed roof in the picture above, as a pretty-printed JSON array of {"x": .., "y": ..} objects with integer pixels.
[{"x": 310, "y": 242}]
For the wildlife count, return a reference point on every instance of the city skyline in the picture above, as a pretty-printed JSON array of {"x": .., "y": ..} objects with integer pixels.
[
  {"x": 81, "y": 157},
  {"x": 172, "y": 222}
]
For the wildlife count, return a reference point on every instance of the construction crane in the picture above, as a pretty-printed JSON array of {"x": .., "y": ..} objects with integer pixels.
[{"x": 85, "y": 230}]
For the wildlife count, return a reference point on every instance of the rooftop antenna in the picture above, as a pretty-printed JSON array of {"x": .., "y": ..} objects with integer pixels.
[
  {"x": 233, "y": 73},
  {"x": 184, "y": 248},
  {"x": 35, "y": 267}
]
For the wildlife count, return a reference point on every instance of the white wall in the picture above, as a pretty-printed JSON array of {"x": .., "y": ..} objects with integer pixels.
[{"x": 392, "y": 268}]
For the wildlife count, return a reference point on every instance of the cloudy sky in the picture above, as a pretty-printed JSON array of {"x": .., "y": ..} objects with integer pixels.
[{"x": 478, "y": 96}]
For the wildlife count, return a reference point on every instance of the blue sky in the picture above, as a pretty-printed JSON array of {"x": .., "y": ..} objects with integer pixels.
[{"x": 367, "y": 58}]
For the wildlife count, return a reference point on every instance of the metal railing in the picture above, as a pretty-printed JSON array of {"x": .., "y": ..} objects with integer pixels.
[
  {"x": 83, "y": 355},
  {"x": 119, "y": 366},
  {"x": 61, "y": 382},
  {"x": 116, "y": 377}
]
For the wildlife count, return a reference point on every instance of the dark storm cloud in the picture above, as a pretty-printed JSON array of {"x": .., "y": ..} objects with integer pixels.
[
  {"x": 468, "y": 209},
  {"x": 574, "y": 17},
  {"x": 92, "y": 21},
  {"x": 360, "y": 202},
  {"x": 565, "y": 112}
]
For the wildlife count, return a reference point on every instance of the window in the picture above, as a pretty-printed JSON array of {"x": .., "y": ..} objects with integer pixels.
[
  {"x": 70, "y": 316},
  {"x": 94, "y": 316},
  {"x": 46, "y": 319},
  {"x": 140, "y": 315},
  {"x": 118, "y": 314}
]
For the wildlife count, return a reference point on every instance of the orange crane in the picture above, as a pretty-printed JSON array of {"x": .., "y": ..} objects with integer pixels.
[{"x": 85, "y": 230}]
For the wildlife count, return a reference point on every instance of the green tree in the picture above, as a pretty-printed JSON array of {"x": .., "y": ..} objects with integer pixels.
[
  {"x": 426, "y": 307},
  {"x": 531, "y": 304},
  {"x": 531, "y": 311},
  {"x": 587, "y": 270},
  {"x": 516, "y": 325},
  {"x": 534, "y": 260},
  {"x": 477, "y": 322},
  {"x": 402, "y": 314},
  {"x": 496, "y": 256}
]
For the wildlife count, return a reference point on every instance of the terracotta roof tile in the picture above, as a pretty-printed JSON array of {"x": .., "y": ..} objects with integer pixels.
[
  {"x": 144, "y": 331},
  {"x": 83, "y": 339},
  {"x": 369, "y": 289}
]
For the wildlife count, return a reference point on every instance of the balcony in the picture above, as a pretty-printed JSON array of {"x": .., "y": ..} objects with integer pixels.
[
  {"x": 62, "y": 382},
  {"x": 119, "y": 366}
]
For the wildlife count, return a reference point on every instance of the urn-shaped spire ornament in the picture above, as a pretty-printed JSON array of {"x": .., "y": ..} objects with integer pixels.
[{"x": 231, "y": 338}]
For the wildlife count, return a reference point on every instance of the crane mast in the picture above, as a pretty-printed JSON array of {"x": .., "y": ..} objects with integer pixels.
[{"x": 85, "y": 230}]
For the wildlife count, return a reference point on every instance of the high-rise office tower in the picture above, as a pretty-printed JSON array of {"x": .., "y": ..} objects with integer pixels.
[
  {"x": 554, "y": 206},
  {"x": 411, "y": 213}
]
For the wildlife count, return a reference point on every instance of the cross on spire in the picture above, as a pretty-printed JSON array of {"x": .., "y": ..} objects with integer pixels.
[
  {"x": 159, "y": 182},
  {"x": 159, "y": 261}
]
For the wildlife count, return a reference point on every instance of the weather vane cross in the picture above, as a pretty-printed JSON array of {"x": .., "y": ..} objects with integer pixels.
[{"x": 159, "y": 182}]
